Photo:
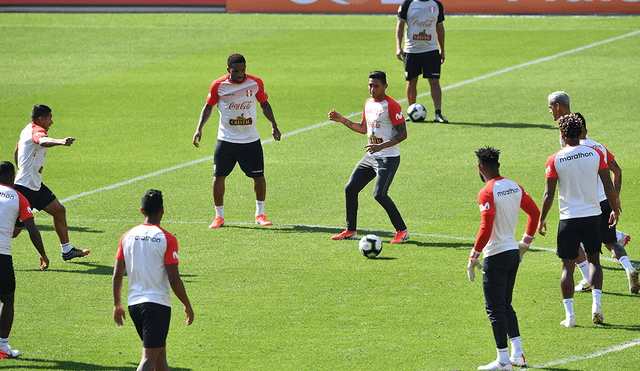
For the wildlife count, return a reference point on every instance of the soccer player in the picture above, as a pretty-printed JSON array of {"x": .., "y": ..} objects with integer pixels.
[
  {"x": 614, "y": 240},
  {"x": 385, "y": 127},
  {"x": 238, "y": 140},
  {"x": 575, "y": 170},
  {"x": 30, "y": 155},
  {"x": 13, "y": 208},
  {"x": 149, "y": 254},
  {"x": 500, "y": 200},
  {"x": 425, "y": 31}
]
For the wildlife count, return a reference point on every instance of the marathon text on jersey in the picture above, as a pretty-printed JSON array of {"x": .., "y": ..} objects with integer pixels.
[
  {"x": 576, "y": 156},
  {"x": 508, "y": 192}
]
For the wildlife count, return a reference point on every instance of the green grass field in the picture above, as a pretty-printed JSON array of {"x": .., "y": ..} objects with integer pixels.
[{"x": 130, "y": 88}]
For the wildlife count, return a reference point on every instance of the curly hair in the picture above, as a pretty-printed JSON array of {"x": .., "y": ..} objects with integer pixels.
[
  {"x": 488, "y": 156},
  {"x": 152, "y": 202},
  {"x": 571, "y": 126}
]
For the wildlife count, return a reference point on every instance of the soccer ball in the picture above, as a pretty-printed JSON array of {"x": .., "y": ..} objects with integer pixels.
[
  {"x": 370, "y": 246},
  {"x": 417, "y": 112}
]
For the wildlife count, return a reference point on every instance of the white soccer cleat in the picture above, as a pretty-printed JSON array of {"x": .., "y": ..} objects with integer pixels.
[
  {"x": 569, "y": 322},
  {"x": 519, "y": 361},
  {"x": 598, "y": 319},
  {"x": 496, "y": 365},
  {"x": 9, "y": 353},
  {"x": 583, "y": 286}
]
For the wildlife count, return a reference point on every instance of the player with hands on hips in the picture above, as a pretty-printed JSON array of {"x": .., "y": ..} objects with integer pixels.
[{"x": 500, "y": 201}]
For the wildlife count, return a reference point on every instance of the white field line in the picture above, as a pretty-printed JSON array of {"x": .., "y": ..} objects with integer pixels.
[{"x": 176, "y": 167}]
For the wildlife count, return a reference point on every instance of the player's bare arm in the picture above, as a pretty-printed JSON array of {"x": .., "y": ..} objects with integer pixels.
[
  {"x": 36, "y": 240},
  {"x": 178, "y": 288},
  {"x": 612, "y": 197},
  {"x": 268, "y": 113},
  {"x": 50, "y": 142},
  {"x": 360, "y": 127},
  {"x": 204, "y": 117},
  {"x": 399, "y": 36},
  {"x": 118, "y": 274},
  {"x": 440, "y": 34},
  {"x": 547, "y": 202}
]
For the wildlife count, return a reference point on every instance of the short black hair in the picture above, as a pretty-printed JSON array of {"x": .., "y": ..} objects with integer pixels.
[
  {"x": 571, "y": 126},
  {"x": 235, "y": 58},
  {"x": 584, "y": 121},
  {"x": 488, "y": 156},
  {"x": 379, "y": 75},
  {"x": 6, "y": 171},
  {"x": 39, "y": 110},
  {"x": 152, "y": 202}
]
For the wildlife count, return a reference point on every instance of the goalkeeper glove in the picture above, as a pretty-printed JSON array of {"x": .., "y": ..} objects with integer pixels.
[
  {"x": 524, "y": 244},
  {"x": 473, "y": 263}
]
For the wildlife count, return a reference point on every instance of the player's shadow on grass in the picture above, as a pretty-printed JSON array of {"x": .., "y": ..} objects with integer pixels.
[
  {"x": 27, "y": 364},
  {"x": 508, "y": 125},
  {"x": 71, "y": 228}
]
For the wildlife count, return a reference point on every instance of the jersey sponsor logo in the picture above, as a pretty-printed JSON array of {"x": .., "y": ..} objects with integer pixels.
[
  {"x": 422, "y": 36},
  {"x": 145, "y": 238},
  {"x": 508, "y": 192},
  {"x": 375, "y": 140},
  {"x": 6, "y": 195},
  {"x": 577, "y": 156},
  {"x": 29, "y": 209},
  {"x": 240, "y": 106},
  {"x": 175, "y": 255},
  {"x": 484, "y": 207},
  {"x": 398, "y": 116},
  {"x": 241, "y": 121}
]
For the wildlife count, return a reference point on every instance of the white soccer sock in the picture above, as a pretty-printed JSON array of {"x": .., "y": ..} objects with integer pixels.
[
  {"x": 503, "y": 356},
  {"x": 626, "y": 263},
  {"x": 259, "y": 207},
  {"x": 596, "y": 300},
  {"x": 4, "y": 344},
  {"x": 516, "y": 346},
  {"x": 66, "y": 247},
  {"x": 568, "y": 307},
  {"x": 584, "y": 269},
  {"x": 220, "y": 211}
]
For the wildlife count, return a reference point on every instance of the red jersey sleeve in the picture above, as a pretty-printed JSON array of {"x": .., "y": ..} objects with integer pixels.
[
  {"x": 261, "y": 95},
  {"x": 212, "y": 98},
  {"x": 120, "y": 253},
  {"x": 528, "y": 205},
  {"x": 364, "y": 111},
  {"x": 37, "y": 132},
  {"x": 487, "y": 216},
  {"x": 25, "y": 208},
  {"x": 171, "y": 255},
  {"x": 603, "y": 164},
  {"x": 395, "y": 112},
  {"x": 551, "y": 167}
]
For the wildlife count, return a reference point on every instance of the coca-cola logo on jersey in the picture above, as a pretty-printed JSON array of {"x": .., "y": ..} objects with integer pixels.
[{"x": 240, "y": 106}]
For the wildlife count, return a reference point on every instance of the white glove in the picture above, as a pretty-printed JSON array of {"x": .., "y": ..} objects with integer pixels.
[
  {"x": 473, "y": 263},
  {"x": 524, "y": 244}
]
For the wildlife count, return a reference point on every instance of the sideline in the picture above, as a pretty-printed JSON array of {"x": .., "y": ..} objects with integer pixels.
[{"x": 509, "y": 69}]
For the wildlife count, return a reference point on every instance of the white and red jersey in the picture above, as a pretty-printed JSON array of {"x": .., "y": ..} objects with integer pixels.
[
  {"x": 420, "y": 18},
  {"x": 381, "y": 117},
  {"x": 31, "y": 157},
  {"x": 500, "y": 201},
  {"x": 576, "y": 168},
  {"x": 237, "y": 106},
  {"x": 145, "y": 250},
  {"x": 608, "y": 157},
  {"x": 13, "y": 205}
]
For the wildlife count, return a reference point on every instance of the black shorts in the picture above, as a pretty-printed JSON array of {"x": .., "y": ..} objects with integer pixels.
[
  {"x": 152, "y": 323},
  {"x": 608, "y": 234},
  {"x": 7, "y": 276},
  {"x": 573, "y": 231},
  {"x": 37, "y": 199},
  {"x": 248, "y": 155},
  {"x": 427, "y": 64}
]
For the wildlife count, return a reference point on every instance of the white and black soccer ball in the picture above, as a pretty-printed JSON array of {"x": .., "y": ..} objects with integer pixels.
[
  {"x": 370, "y": 246},
  {"x": 416, "y": 112}
]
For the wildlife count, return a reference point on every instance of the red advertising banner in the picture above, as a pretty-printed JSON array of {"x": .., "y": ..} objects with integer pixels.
[
  {"x": 450, "y": 6},
  {"x": 113, "y": 2}
]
